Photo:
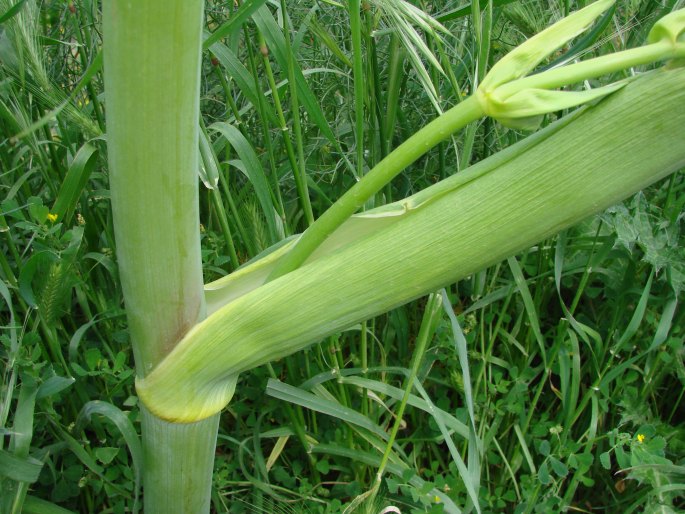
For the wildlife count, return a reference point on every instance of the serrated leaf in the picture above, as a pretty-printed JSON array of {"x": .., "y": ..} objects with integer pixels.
[
  {"x": 37, "y": 211},
  {"x": 545, "y": 448},
  {"x": 106, "y": 455},
  {"x": 543, "y": 474},
  {"x": 581, "y": 461},
  {"x": 323, "y": 467},
  {"x": 558, "y": 467},
  {"x": 622, "y": 459}
]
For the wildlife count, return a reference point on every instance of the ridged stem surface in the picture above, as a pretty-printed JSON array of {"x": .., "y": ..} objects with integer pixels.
[
  {"x": 468, "y": 222},
  {"x": 152, "y": 78}
]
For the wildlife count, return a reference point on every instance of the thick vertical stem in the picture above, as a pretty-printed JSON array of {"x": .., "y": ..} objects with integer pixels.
[
  {"x": 180, "y": 456},
  {"x": 152, "y": 79},
  {"x": 152, "y": 58}
]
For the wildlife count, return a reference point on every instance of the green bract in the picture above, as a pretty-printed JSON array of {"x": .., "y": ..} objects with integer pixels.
[
  {"x": 669, "y": 29},
  {"x": 388, "y": 256}
]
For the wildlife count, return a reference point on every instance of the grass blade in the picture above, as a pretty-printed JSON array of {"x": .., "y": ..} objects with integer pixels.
[
  {"x": 234, "y": 23},
  {"x": 12, "y": 11},
  {"x": 276, "y": 42},
  {"x": 295, "y": 395},
  {"x": 33, "y": 505},
  {"x": 74, "y": 183},
  {"x": 255, "y": 173},
  {"x": 529, "y": 306}
]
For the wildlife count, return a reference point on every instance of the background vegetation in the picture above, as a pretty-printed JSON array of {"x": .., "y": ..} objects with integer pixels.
[{"x": 575, "y": 347}]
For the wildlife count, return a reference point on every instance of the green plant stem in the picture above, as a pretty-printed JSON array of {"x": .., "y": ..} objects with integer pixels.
[
  {"x": 482, "y": 29},
  {"x": 240, "y": 124},
  {"x": 53, "y": 345},
  {"x": 211, "y": 162},
  {"x": 225, "y": 229},
  {"x": 603, "y": 65},
  {"x": 261, "y": 109},
  {"x": 358, "y": 78},
  {"x": 8, "y": 274},
  {"x": 477, "y": 31},
  {"x": 405, "y": 154},
  {"x": 52, "y": 161},
  {"x": 152, "y": 56},
  {"x": 240, "y": 226},
  {"x": 392, "y": 99},
  {"x": 182, "y": 455},
  {"x": 154, "y": 182},
  {"x": 300, "y": 170},
  {"x": 97, "y": 109},
  {"x": 289, "y": 149},
  {"x": 430, "y": 318},
  {"x": 375, "y": 92}
]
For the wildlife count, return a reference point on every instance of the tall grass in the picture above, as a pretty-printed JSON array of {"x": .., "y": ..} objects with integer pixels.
[{"x": 550, "y": 380}]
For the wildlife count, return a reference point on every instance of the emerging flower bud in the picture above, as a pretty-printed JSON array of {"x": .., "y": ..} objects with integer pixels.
[{"x": 516, "y": 100}]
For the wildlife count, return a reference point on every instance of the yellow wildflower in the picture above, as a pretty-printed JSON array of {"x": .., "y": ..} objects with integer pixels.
[
  {"x": 52, "y": 217},
  {"x": 640, "y": 438}
]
